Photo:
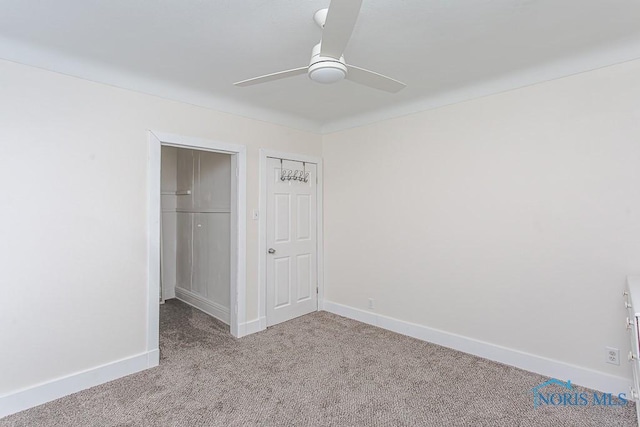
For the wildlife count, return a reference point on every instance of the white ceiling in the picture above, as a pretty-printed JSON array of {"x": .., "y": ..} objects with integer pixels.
[{"x": 193, "y": 50}]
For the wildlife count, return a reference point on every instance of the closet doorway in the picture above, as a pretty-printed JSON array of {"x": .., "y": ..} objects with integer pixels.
[
  {"x": 195, "y": 261},
  {"x": 197, "y": 229}
]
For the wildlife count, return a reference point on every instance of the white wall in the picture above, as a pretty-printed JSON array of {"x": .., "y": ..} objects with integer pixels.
[
  {"x": 73, "y": 227},
  {"x": 511, "y": 219}
]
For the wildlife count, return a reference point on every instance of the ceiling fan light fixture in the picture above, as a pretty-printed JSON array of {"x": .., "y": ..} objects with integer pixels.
[
  {"x": 327, "y": 72},
  {"x": 327, "y": 64}
]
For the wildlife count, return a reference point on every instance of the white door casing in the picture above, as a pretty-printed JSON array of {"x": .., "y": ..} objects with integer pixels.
[
  {"x": 291, "y": 234},
  {"x": 238, "y": 324}
]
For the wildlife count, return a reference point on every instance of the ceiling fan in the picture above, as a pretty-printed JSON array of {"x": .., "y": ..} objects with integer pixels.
[{"x": 327, "y": 63}]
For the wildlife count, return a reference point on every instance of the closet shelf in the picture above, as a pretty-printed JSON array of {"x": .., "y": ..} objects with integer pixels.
[
  {"x": 203, "y": 210},
  {"x": 176, "y": 193}
]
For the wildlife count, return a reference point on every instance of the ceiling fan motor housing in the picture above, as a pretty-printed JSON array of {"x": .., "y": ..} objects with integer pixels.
[{"x": 324, "y": 69}]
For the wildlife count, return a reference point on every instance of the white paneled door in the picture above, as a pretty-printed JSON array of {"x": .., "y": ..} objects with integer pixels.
[{"x": 291, "y": 241}]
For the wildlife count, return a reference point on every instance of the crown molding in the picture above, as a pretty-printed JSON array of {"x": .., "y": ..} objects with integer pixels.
[
  {"x": 604, "y": 56},
  {"x": 62, "y": 63}
]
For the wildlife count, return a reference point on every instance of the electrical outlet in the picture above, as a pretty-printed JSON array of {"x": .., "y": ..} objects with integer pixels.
[
  {"x": 613, "y": 355},
  {"x": 372, "y": 303}
]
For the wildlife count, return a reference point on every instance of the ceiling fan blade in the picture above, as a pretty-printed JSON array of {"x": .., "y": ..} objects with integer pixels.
[
  {"x": 341, "y": 18},
  {"x": 271, "y": 77},
  {"x": 374, "y": 80}
]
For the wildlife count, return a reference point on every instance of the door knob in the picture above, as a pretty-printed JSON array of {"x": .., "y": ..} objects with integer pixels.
[{"x": 271, "y": 251}]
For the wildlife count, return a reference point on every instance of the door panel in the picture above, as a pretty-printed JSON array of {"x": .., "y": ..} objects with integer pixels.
[
  {"x": 211, "y": 258},
  {"x": 212, "y": 181},
  {"x": 303, "y": 263},
  {"x": 184, "y": 250},
  {"x": 282, "y": 217},
  {"x": 282, "y": 282},
  {"x": 185, "y": 179},
  {"x": 292, "y": 234},
  {"x": 303, "y": 227}
]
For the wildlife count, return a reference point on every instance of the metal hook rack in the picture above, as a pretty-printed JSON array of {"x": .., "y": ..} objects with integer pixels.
[{"x": 291, "y": 175}]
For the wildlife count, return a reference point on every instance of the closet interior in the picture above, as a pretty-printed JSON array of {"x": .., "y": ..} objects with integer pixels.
[{"x": 196, "y": 226}]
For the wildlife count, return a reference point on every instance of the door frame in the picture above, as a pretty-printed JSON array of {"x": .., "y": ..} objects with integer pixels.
[
  {"x": 262, "y": 228},
  {"x": 237, "y": 306}
]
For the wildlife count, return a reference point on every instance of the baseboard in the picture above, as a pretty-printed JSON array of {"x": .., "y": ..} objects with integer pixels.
[
  {"x": 527, "y": 361},
  {"x": 214, "y": 309},
  {"x": 60, "y": 387},
  {"x": 253, "y": 326}
]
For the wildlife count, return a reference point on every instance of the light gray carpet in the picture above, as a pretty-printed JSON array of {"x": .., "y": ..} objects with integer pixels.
[{"x": 317, "y": 370}]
